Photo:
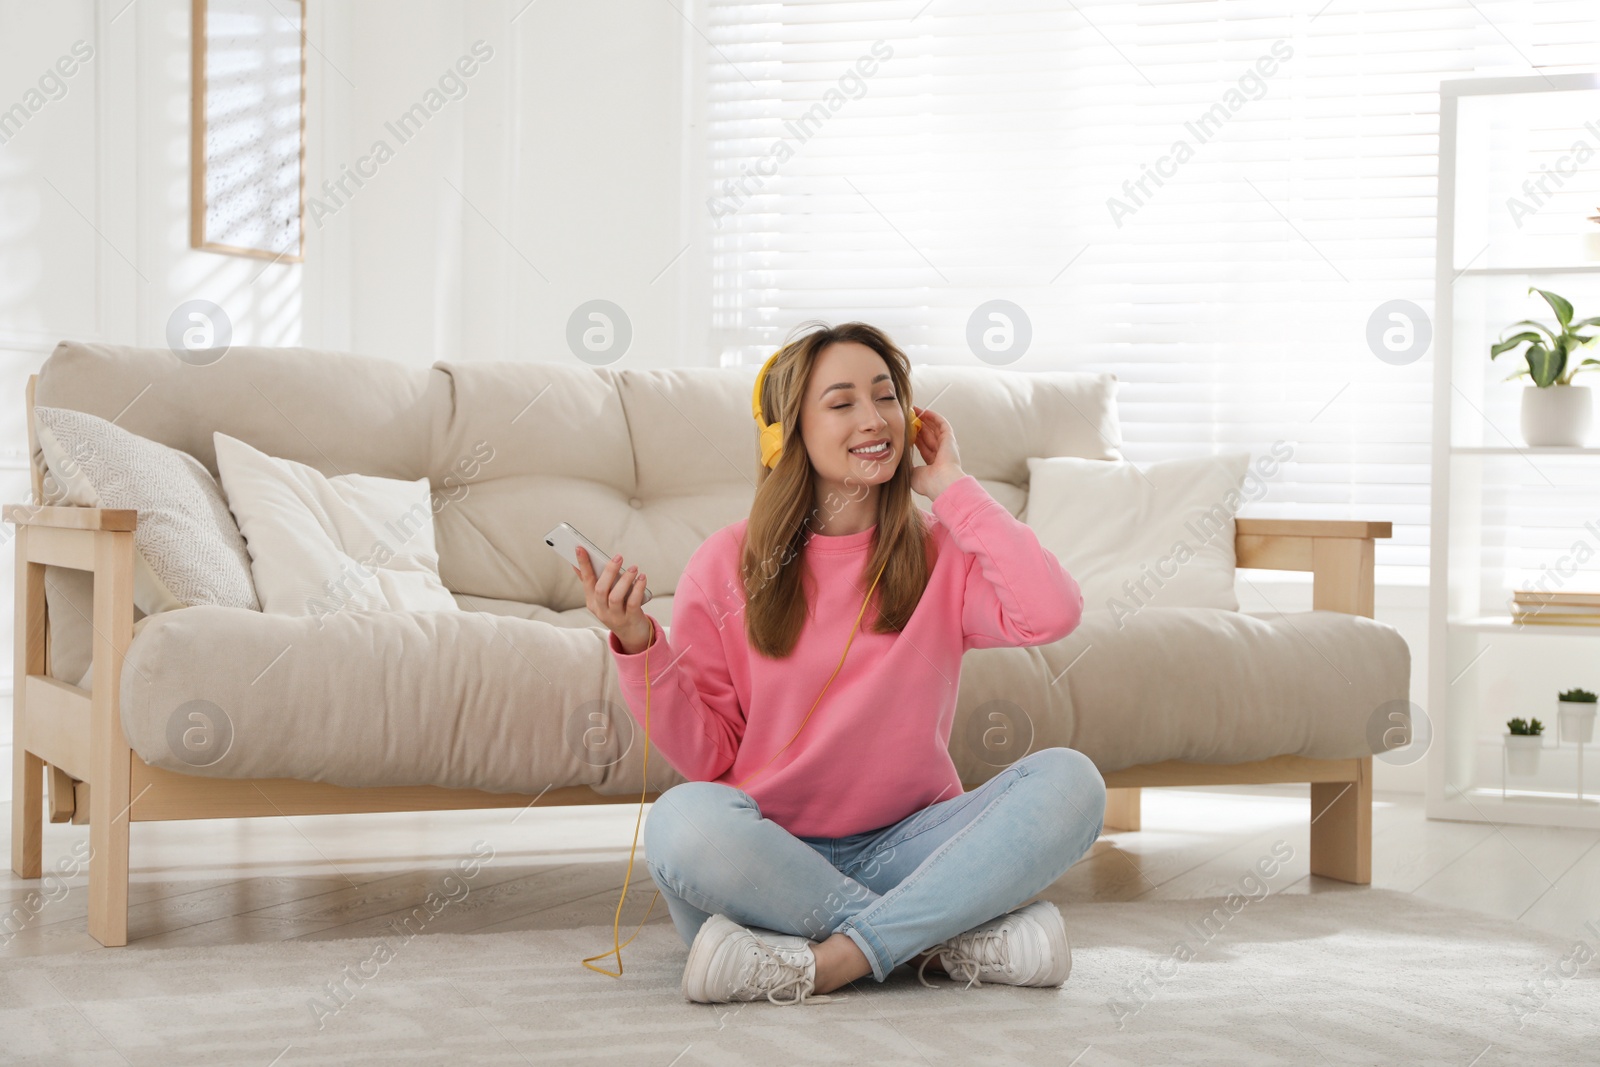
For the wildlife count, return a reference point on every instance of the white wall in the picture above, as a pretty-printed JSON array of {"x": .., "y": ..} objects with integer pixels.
[{"x": 556, "y": 179}]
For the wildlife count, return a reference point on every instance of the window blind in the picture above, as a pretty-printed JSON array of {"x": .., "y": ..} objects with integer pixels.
[{"x": 1209, "y": 199}]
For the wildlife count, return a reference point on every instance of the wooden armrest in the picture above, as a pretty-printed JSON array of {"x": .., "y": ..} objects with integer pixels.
[
  {"x": 120, "y": 520},
  {"x": 1338, "y": 552},
  {"x": 1313, "y": 528}
]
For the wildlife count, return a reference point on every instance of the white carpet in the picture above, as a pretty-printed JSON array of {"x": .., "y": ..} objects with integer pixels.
[{"x": 1348, "y": 976}]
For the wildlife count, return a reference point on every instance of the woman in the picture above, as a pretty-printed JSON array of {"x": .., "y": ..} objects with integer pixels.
[{"x": 853, "y": 849}]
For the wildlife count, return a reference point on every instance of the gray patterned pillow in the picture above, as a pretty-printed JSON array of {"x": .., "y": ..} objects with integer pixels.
[{"x": 188, "y": 549}]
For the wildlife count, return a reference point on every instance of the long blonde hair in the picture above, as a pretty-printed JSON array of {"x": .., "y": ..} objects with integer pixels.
[{"x": 783, "y": 517}]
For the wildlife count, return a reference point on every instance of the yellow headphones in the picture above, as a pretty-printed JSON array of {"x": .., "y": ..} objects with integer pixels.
[{"x": 771, "y": 449}]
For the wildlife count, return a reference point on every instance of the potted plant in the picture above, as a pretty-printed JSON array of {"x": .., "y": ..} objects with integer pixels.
[
  {"x": 1554, "y": 411},
  {"x": 1575, "y": 713},
  {"x": 1523, "y": 744}
]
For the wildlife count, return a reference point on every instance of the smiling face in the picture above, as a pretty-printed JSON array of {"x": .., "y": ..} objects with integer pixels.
[{"x": 852, "y": 401}]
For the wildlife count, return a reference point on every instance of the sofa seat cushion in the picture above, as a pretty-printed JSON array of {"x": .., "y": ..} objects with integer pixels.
[
  {"x": 462, "y": 699},
  {"x": 1206, "y": 685},
  {"x": 660, "y": 607},
  {"x": 484, "y": 699}
]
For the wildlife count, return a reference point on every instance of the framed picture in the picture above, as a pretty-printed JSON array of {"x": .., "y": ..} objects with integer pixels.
[{"x": 248, "y": 128}]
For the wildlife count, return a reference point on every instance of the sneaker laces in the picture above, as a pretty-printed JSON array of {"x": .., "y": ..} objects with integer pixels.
[
  {"x": 988, "y": 950},
  {"x": 779, "y": 974}
]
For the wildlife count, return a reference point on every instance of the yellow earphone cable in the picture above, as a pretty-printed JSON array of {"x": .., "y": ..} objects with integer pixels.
[{"x": 617, "y": 919}]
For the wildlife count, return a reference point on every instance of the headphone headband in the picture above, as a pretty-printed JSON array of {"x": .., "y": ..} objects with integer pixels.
[{"x": 761, "y": 376}]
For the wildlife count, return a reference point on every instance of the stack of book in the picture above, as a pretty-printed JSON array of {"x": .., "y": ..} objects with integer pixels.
[{"x": 1555, "y": 609}]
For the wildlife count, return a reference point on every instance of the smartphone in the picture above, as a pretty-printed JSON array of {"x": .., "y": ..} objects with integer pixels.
[{"x": 565, "y": 539}]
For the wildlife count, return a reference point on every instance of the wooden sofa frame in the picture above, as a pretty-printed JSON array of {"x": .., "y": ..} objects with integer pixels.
[{"x": 95, "y": 777}]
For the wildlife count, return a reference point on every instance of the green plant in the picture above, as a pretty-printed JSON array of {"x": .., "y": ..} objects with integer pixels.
[
  {"x": 1548, "y": 351},
  {"x": 1522, "y": 727},
  {"x": 1578, "y": 696}
]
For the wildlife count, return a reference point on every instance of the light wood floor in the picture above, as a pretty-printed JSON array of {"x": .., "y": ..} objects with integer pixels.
[{"x": 222, "y": 882}]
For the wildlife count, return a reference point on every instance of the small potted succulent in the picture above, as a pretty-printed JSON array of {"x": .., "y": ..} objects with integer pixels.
[
  {"x": 1554, "y": 411},
  {"x": 1575, "y": 714},
  {"x": 1523, "y": 744}
]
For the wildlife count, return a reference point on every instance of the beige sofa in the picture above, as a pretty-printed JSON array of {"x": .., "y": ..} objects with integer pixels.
[{"x": 513, "y": 700}]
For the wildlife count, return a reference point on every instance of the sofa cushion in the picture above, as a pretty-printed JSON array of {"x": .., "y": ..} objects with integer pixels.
[
  {"x": 187, "y": 549},
  {"x": 352, "y": 542},
  {"x": 1158, "y": 535},
  {"x": 333, "y": 410},
  {"x": 1215, "y": 686},
  {"x": 471, "y": 699},
  {"x": 659, "y": 606},
  {"x": 451, "y": 698},
  {"x": 649, "y": 463}
]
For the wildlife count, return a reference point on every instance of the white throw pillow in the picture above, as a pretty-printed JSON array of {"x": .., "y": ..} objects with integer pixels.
[
  {"x": 319, "y": 544},
  {"x": 187, "y": 549},
  {"x": 1136, "y": 537}
]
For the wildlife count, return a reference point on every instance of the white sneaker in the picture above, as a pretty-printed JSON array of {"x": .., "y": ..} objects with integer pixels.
[
  {"x": 778, "y": 939},
  {"x": 731, "y": 962},
  {"x": 1027, "y": 946}
]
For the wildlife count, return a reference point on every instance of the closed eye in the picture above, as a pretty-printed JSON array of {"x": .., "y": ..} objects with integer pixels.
[{"x": 881, "y": 399}]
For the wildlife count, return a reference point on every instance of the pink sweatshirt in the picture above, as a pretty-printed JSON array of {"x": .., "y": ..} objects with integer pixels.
[{"x": 877, "y": 747}]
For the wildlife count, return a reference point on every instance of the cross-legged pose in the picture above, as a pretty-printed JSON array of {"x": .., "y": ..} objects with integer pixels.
[{"x": 808, "y": 850}]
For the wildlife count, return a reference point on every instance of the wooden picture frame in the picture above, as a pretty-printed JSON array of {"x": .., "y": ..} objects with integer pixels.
[{"x": 247, "y": 192}]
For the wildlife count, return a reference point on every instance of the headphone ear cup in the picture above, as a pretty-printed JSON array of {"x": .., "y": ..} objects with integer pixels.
[{"x": 771, "y": 444}]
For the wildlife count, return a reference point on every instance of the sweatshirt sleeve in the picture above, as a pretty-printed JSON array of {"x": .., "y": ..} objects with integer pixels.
[
  {"x": 1017, "y": 593},
  {"x": 696, "y": 719}
]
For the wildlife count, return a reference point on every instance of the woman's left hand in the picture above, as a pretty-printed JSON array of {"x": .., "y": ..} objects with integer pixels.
[{"x": 937, "y": 444}]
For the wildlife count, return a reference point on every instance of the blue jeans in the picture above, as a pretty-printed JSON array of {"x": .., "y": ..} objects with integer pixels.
[{"x": 894, "y": 891}]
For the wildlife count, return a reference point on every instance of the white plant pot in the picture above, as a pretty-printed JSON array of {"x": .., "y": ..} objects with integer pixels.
[
  {"x": 1522, "y": 752},
  {"x": 1557, "y": 414},
  {"x": 1576, "y": 719}
]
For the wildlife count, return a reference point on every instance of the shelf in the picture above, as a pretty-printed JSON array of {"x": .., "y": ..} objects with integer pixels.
[
  {"x": 1526, "y": 450},
  {"x": 1483, "y": 804},
  {"x": 1580, "y": 268},
  {"x": 1490, "y": 519},
  {"x": 1530, "y": 796},
  {"x": 1503, "y": 624},
  {"x": 1537, "y": 83}
]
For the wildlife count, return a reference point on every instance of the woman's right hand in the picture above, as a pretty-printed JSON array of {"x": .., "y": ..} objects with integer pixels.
[{"x": 617, "y": 601}]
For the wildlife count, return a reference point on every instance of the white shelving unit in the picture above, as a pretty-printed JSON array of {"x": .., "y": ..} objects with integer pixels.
[{"x": 1484, "y": 667}]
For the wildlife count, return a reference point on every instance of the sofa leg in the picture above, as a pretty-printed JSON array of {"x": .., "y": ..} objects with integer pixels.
[
  {"x": 110, "y": 758},
  {"x": 27, "y": 813},
  {"x": 1341, "y": 827},
  {"x": 108, "y": 863},
  {"x": 1122, "y": 809},
  {"x": 27, "y": 770}
]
